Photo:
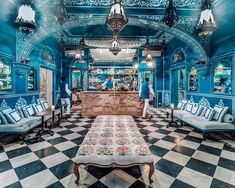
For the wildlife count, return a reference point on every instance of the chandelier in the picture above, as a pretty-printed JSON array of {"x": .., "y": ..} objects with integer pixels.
[
  {"x": 170, "y": 17},
  {"x": 206, "y": 24},
  {"x": 61, "y": 13},
  {"x": 115, "y": 49},
  {"x": 116, "y": 19},
  {"x": 26, "y": 18}
]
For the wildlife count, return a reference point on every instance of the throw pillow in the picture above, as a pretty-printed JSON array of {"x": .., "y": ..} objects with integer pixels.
[
  {"x": 204, "y": 112},
  {"x": 195, "y": 109},
  {"x": 28, "y": 111},
  {"x": 199, "y": 111},
  {"x": 180, "y": 104},
  {"x": 14, "y": 114},
  {"x": 37, "y": 108},
  {"x": 45, "y": 105},
  {"x": 189, "y": 107},
  {"x": 218, "y": 111},
  {"x": 184, "y": 103},
  {"x": 9, "y": 117},
  {"x": 209, "y": 114},
  {"x": 3, "y": 118},
  {"x": 222, "y": 114}
]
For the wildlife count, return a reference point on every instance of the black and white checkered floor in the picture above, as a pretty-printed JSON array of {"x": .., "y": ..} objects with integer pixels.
[{"x": 182, "y": 159}]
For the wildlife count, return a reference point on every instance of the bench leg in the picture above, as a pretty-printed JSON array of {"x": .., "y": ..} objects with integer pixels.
[
  {"x": 151, "y": 171},
  {"x": 167, "y": 115},
  {"x": 205, "y": 136},
  {"x": 76, "y": 172},
  {"x": 22, "y": 138}
]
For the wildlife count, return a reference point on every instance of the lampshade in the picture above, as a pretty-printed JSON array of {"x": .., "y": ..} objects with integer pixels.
[
  {"x": 26, "y": 18},
  {"x": 115, "y": 48},
  {"x": 170, "y": 17},
  {"x": 206, "y": 24},
  {"x": 116, "y": 19}
]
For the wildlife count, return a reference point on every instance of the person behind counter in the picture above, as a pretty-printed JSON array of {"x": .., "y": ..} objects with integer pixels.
[
  {"x": 145, "y": 91},
  {"x": 108, "y": 84}
]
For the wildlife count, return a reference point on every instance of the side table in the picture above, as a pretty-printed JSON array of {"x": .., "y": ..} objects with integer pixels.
[{"x": 172, "y": 122}]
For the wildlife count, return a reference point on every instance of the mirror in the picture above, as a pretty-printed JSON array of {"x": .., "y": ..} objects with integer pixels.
[
  {"x": 222, "y": 77},
  {"x": 193, "y": 80},
  {"x": 76, "y": 80},
  {"x": 181, "y": 84}
]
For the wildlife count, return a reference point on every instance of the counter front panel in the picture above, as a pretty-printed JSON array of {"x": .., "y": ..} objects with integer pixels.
[{"x": 111, "y": 103}]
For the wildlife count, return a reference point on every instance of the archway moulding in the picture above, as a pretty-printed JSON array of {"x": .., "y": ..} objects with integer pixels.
[{"x": 36, "y": 38}]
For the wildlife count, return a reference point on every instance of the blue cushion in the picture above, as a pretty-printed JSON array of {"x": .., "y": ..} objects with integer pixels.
[
  {"x": 15, "y": 116},
  {"x": 45, "y": 105},
  {"x": 199, "y": 111},
  {"x": 9, "y": 118},
  {"x": 189, "y": 107},
  {"x": 3, "y": 118},
  {"x": 195, "y": 109},
  {"x": 222, "y": 114},
  {"x": 38, "y": 108},
  {"x": 209, "y": 113},
  {"x": 28, "y": 111}
]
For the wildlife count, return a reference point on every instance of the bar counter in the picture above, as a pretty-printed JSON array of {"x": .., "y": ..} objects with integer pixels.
[{"x": 96, "y": 103}]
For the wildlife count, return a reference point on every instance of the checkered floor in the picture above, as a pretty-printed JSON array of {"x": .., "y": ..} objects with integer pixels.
[{"x": 182, "y": 159}]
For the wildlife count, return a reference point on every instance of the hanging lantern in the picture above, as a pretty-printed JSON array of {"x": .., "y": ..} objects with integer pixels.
[
  {"x": 26, "y": 18},
  {"x": 61, "y": 13},
  {"x": 115, "y": 49},
  {"x": 206, "y": 24},
  {"x": 170, "y": 17},
  {"x": 116, "y": 19}
]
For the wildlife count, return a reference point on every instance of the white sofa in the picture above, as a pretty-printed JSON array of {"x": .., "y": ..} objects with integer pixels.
[{"x": 216, "y": 120}]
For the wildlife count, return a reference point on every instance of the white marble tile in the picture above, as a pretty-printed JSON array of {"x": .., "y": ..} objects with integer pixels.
[
  {"x": 81, "y": 123},
  {"x": 177, "y": 135},
  {"x": 189, "y": 144},
  {"x": 72, "y": 136},
  {"x": 146, "y": 123},
  {"x": 58, "y": 129},
  {"x": 150, "y": 128},
  {"x": 54, "y": 159},
  {"x": 214, "y": 144},
  {"x": 225, "y": 175},
  {"x": 228, "y": 155},
  {"x": 156, "y": 135},
  {"x": 49, "y": 137},
  {"x": 164, "y": 180},
  {"x": 77, "y": 129},
  {"x": 23, "y": 159},
  {"x": 7, "y": 178},
  {"x": 12, "y": 146},
  {"x": 39, "y": 146},
  {"x": 177, "y": 158},
  {"x": 230, "y": 142},
  {"x": 164, "y": 144},
  {"x": 206, "y": 157},
  {"x": 39, "y": 180},
  {"x": 3, "y": 157},
  {"x": 195, "y": 178},
  {"x": 65, "y": 145},
  {"x": 196, "y": 134}
]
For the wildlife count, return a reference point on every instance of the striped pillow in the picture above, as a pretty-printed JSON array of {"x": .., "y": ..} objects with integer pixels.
[
  {"x": 195, "y": 109},
  {"x": 209, "y": 113}
]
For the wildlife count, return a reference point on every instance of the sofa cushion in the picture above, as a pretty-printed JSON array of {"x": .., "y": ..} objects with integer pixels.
[
  {"x": 189, "y": 107},
  {"x": 37, "y": 108},
  {"x": 199, "y": 111},
  {"x": 3, "y": 118},
  {"x": 180, "y": 104},
  {"x": 209, "y": 113},
  {"x": 28, "y": 111},
  {"x": 15, "y": 116},
  {"x": 184, "y": 103},
  {"x": 195, "y": 109},
  {"x": 222, "y": 114},
  {"x": 204, "y": 112},
  {"x": 6, "y": 114},
  {"x": 218, "y": 111}
]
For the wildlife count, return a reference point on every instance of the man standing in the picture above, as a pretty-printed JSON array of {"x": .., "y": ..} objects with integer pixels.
[
  {"x": 108, "y": 84},
  {"x": 65, "y": 95},
  {"x": 145, "y": 91}
]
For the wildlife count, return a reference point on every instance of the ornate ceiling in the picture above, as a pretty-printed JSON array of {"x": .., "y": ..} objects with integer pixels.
[{"x": 149, "y": 10}]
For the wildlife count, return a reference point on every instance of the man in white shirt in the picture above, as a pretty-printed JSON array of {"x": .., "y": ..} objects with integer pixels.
[
  {"x": 65, "y": 95},
  {"x": 146, "y": 93}
]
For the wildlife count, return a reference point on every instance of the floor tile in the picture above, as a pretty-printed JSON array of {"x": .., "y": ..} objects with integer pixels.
[
  {"x": 156, "y": 135},
  {"x": 208, "y": 149},
  {"x": 225, "y": 175},
  {"x": 56, "y": 185},
  {"x": 179, "y": 184},
  {"x": 65, "y": 132},
  {"x": 8, "y": 177},
  {"x": 193, "y": 139},
  {"x": 71, "y": 153},
  {"x": 189, "y": 144},
  {"x": 46, "y": 152},
  {"x": 5, "y": 165},
  {"x": 201, "y": 166},
  {"x": 98, "y": 184},
  {"x": 15, "y": 185},
  {"x": 150, "y": 139},
  {"x": 158, "y": 150},
  {"x": 195, "y": 178},
  {"x": 3, "y": 156},
  {"x": 29, "y": 169},
  {"x": 18, "y": 152},
  {"x": 99, "y": 172},
  {"x": 72, "y": 136},
  {"x": 41, "y": 180},
  {"x": 164, "y": 179},
  {"x": 23, "y": 159},
  {"x": 54, "y": 159},
  {"x": 172, "y": 139},
  {"x": 183, "y": 150},
  {"x": 177, "y": 158},
  {"x": 228, "y": 155},
  {"x": 57, "y": 140},
  {"x": 220, "y": 184},
  {"x": 226, "y": 163},
  {"x": 62, "y": 170},
  {"x": 78, "y": 141},
  {"x": 206, "y": 157},
  {"x": 168, "y": 167},
  {"x": 65, "y": 145},
  {"x": 39, "y": 145},
  {"x": 165, "y": 144}
]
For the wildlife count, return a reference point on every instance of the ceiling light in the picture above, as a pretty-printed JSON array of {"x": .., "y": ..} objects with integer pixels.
[
  {"x": 61, "y": 13},
  {"x": 170, "y": 17},
  {"x": 115, "y": 49}
]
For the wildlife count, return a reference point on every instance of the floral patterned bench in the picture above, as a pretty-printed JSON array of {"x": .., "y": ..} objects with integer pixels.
[{"x": 113, "y": 141}]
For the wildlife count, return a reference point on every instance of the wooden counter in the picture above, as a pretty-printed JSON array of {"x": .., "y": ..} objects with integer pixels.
[{"x": 96, "y": 103}]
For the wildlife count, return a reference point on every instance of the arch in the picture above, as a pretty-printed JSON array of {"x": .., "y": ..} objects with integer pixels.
[
  {"x": 100, "y": 20},
  {"x": 178, "y": 55},
  {"x": 46, "y": 55}
]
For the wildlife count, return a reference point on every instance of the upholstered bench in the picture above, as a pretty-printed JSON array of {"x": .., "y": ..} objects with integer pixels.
[
  {"x": 113, "y": 141},
  {"x": 204, "y": 118}
]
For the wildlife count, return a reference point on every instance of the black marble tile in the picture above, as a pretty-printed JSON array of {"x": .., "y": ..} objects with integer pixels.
[
  {"x": 226, "y": 163},
  {"x": 87, "y": 126},
  {"x": 229, "y": 148},
  {"x": 163, "y": 131},
  {"x": 141, "y": 126},
  {"x": 160, "y": 152},
  {"x": 18, "y": 152},
  {"x": 56, "y": 185},
  {"x": 133, "y": 171},
  {"x": 70, "y": 126},
  {"x": 168, "y": 167},
  {"x": 172, "y": 139},
  {"x": 211, "y": 150},
  {"x": 179, "y": 184},
  {"x": 57, "y": 140},
  {"x": 71, "y": 153},
  {"x": 46, "y": 152},
  {"x": 98, "y": 184},
  {"x": 157, "y": 125},
  {"x": 183, "y": 150},
  {"x": 79, "y": 140},
  {"x": 84, "y": 132},
  {"x": 5, "y": 165},
  {"x": 182, "y": 131},
  {"x": 99, "y": 172},
  {"x": 29, "y": 169},
  {"x": 63, "y": 169},
  {"x": 193, "y": 139},
  {"x": 65, "y": 132},
  {"x": 144, "y": 131},
  {"x": 201, "y": 166},
  {"x": 139, "y": 184},
  {"x": 150, "y": 139},
  {"x": 14, "y": 185},
  {"x": 220, "y": 184}
]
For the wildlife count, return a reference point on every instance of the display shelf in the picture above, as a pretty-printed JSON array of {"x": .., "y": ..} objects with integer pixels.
[
  {"x": 5, "y": 76},
  {"x": 31, "y": 82}
]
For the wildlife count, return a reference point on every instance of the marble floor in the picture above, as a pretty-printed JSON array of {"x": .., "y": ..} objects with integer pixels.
[{"x": 182, "y": 159}]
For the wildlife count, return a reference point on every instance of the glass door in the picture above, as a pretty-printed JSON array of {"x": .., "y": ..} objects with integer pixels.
[{"x": 46, "y": 85}]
